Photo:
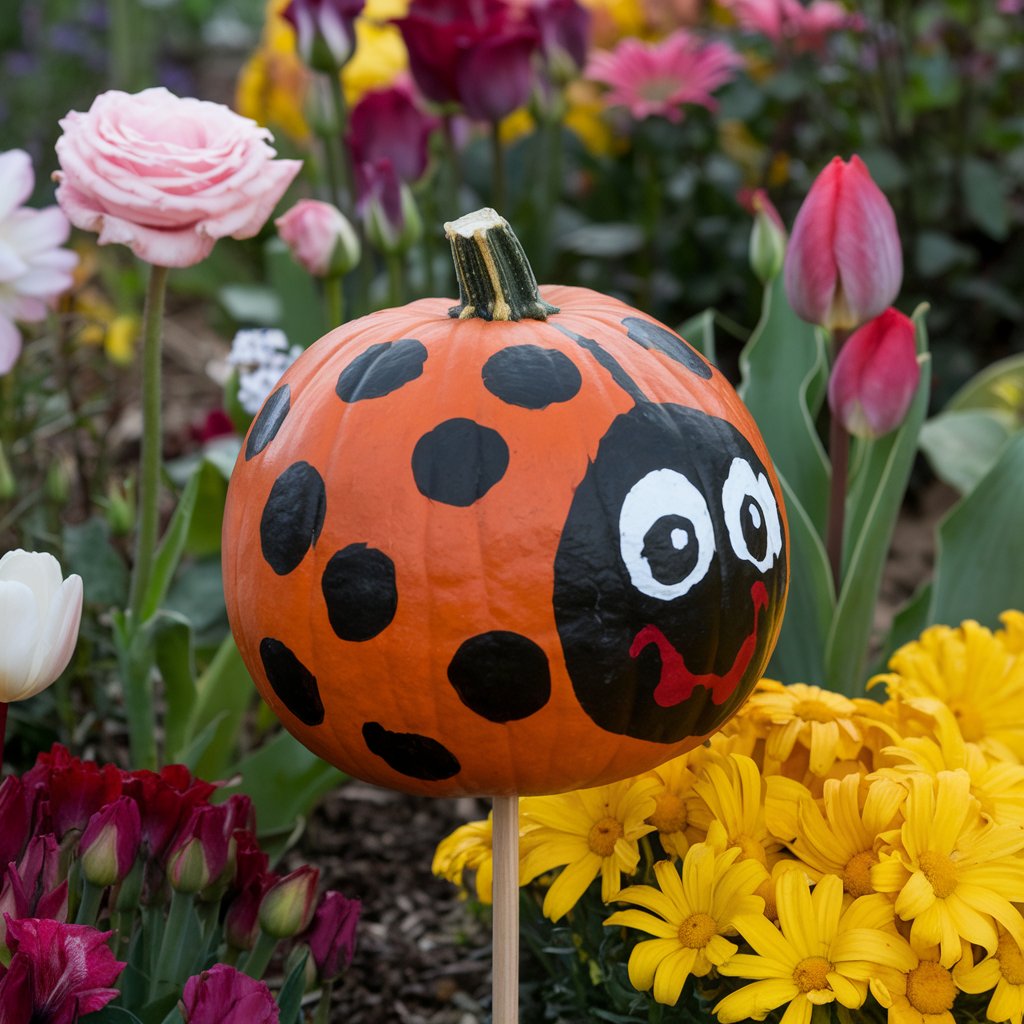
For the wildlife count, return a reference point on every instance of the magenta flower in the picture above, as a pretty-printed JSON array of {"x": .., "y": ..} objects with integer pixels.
[
  {"x": 789, "y": 22},
  {"x": 844, "y": 264},
  {"x": 199, "y": 852},
  {"x": 166, "y": 801},
  {"x": 389, "y": 124},
  {"x": 476, "y": 53},
  {"x": 332, "y": 935},
  {"x": 564, "y": 30},
  {"x": 387, "y": 208},
  {"x": 58, "y": 972},
  {"x": 14, "y": 819},
  {"x": 34, "y": 269},
  {"x": 875, "y": 376},
  {"x": 110, "y": 842},
  {"x": 35, "y": 886},
  {"x": 319, "y": 237},
  {"x": 659, "y": 79},
  {"x": 223, "y": 995},
  {"x": 325, "y": 31},
  {"x": 289, "y": 904},
  {"x": 77, "y": 790}
]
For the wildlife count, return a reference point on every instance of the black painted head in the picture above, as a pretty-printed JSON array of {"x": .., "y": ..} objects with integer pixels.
[{"x": 670, "y": 574}]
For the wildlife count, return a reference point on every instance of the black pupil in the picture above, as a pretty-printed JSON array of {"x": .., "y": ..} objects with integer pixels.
[
  {"x": 754, "y": 531},
  {"x": 671, "y": 549}
]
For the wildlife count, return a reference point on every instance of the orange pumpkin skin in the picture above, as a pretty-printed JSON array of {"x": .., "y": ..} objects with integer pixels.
[{"x": 433, "y": 581}]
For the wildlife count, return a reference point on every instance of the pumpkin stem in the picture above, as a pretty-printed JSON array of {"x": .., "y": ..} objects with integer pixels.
[{"x": 496, "y": 281}]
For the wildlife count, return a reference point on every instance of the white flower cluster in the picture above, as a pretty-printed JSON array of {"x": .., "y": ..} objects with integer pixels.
[{"x": 262, "y": 354}]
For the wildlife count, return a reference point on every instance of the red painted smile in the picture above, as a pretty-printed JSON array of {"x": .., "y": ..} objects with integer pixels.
[{"x": 677, "y": 681}]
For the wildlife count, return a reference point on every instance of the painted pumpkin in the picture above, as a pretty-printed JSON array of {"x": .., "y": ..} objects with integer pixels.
[{"x": 529, "y": 544}]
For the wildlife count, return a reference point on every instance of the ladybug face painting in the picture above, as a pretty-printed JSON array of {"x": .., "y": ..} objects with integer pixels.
[{"x": 516, "y": 557}]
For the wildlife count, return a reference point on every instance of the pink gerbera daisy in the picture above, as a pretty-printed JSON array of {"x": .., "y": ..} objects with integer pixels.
[{"x": 658, "y": 79}]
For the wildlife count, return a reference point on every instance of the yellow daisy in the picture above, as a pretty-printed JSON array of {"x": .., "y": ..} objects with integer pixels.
[
  {"x": 819, "y": 954},
  {"x": 953, "y": 874},
  {"x": 690, "y": 913},
  {"x": 1003, "y": 972},
  {"x": 970, "y": 670},
  {"x": 731, "y": 790},
  {"x": 468, "y": 848},
  {"x": 586, "y": 833},
  {"x": 839, "y": 839},
  {"x": 1011, "y": 636},
  {"x": 670, "y": 809},
  {"x": 921, "y": 992}
]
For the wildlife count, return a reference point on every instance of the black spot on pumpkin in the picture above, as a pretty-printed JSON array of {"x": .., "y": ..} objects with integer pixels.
[
  {"x": 410, "y": 753},
  {"x": 292, "y": 517},
  {"x": 267, "y": 423},
  {"x": 381, "y": 369},
  {"x": 458, "y": 462},
  {"x": 531, "y": 377},
  {"x": 359, "y": 589},
  {"x": 653, "y": 336},
  {"x": 502, "y": 676},
  {"x": 293, "y": 683}
]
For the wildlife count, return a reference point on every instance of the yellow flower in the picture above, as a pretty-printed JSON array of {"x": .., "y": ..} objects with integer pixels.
[
  {"x": 730, "y": 790},
  {"x": 690, "y": 914},
  {"x": 972, "y": 671},
  {"x": 822, "y": 722},
  {"x": 920, "y": 992},
  {"x": 1003, "y": 972},
  {"x": 954, "y": 874},
  {"x": 468, "y": 847},
  {"x": 380, "y": 55},
  {"x": 670, "y": 813},
  {"x": 841, "y": 840},
  {"x": 819, "y": 954},
  {"x": 1012, "y": 634},
  {"x": 586, "y": 833}
]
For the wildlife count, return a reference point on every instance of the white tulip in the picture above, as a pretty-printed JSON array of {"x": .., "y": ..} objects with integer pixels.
[{"x": 40, "y": 613}]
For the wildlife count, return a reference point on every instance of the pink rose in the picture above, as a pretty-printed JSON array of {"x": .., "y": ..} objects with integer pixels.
[{"x": 167, "y": 176}]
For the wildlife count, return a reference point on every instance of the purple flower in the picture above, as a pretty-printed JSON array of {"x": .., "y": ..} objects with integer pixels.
[
  {"x": 332, "y": 935},
  {"x": 564, "y": 30},
  {"x": 57, "y": 973},
  {"x": 14, "y": 819},
  {"x": 199, "y": 853},
  {"x": 110, "y": 842},
  {"x": 325, "y": 30},
  {"x": 386, "y": 205},
  {"x": 388, "y": 124},
  {"x": 223, "y": 995},
  {"x": 35, "y": 886},
  {"x": 287, "y": 907}
]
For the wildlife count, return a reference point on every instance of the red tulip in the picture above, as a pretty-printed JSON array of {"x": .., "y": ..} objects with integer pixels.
[
  {"x": 332, "y": 935},
  {"x": 844, "y": 264},
  {"x": 58, "y": 972},
  {"x": 14, "y": 819},
  {"x": 200, "y": 851},
  {"x": 166, "y": 800},
  {"x": 288, "y": 906},
  {"x": 325, "y": 31},
  {"x": 875, "y": 376},
  {"x": 78, "y": 790},
  {"x": 110, "y": 842},
  {"x": 388, "y": 124},
  {"x": 223, "y": 995}
]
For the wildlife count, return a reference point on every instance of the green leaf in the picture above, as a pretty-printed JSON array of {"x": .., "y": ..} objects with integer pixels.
[
  {"x": 871, "y": 517},
  {"x": 172, "y": 640},
  {"x": 171, "y": 547},
  {"x": 89, "y": 553},
  {"x": 784, "y": 370},
  {"x": 907, "y": 625},
  {"x": 963, "y": 445},
  {"x": 699, "y": 331},
  {"x": 980, "y": 547},
  {"x": 284, "y": 780},
  {"x": 302, "y": 309},
  {"x": 984, "y": 188},
  {"x": 251, "y": 304},
  {"x": 289, "y": 999},
  {"x": 799, "y": 655},
  {"x": 999, "y": 386},
  {"x": 110, "y": 1015}
]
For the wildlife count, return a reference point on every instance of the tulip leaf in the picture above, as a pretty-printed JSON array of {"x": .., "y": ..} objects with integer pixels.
[
  {"x": 962, "y": 445},
  {"x": 999, "y": 387},
  {"x": 89, "y": 553},
  {"x": 170, "y": 550},
  {"x": 984, "y": 188},
  {"x": 110, "y": 1015},
  {"x": 908, "y": 624},
  {"x": 784, "y": 369},
  {"x": 172, "y": 641},
  {"x": 884, "y": 482},
  {"x": 289, "y": 999},
  {"x": 699, "y": 331},
  {"x": 800, "y": 652},
  {"x": 302, "y": 310}
]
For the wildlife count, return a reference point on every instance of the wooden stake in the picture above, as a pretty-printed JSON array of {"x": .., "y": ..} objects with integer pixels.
[{"x": 505, "y": 943}]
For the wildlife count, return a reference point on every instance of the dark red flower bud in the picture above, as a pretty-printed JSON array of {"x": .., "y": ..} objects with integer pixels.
[{"x": 332, "y": 935}]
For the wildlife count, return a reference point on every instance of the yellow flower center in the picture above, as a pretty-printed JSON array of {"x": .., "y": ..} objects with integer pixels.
[
  {"x": 697, "y": 931},
  {"x": 857, "y": 874},
  {"x": 940, "y": 872},
  {"x": 972, "y": 725},
  {"x": 604, "y": 835},
  {"x": 669, "y": 813},
  {"x": 812, "y": 973},
  {"x": 930, "y": 988},
  {"x": 1011, "y": 960},
  {"x": 813, "y": 710}
]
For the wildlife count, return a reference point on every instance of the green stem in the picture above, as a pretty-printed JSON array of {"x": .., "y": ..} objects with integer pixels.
[
  {"x": 152, "y": 935},
  {"x": 257, "y": 960},
  {"x": 123, "y": 45},
  {"x": 496, "y": 281},
  {"x": 334, "y": 294},
  {"x": 396, "y": 277},
  {"x": 323, "y": 1010},
  {"x": 340, "y": 109},
  {"x": 152, "y": 443},
  {"x": 839, "y": 455},
  {"x": 175, "y": 952},
  {"x": 454, "y": 164},
  {"x": 497, "y": 167},
  {"x": 89, "y": 908},
  {"x": 123, "y": 923}
]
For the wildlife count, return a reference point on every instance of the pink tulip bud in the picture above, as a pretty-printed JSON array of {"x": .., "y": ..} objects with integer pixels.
[
  {"x": 199, "y": 853},
  {"x": 844, "y": 264},
  {"x": 223, "y": 995},
  {"x": 875, "y": 376},
  {"x": 767, "y": 237},
  {"x": 332, "y": 935},
  {"x": 110, "y": 842},
  {"x": 320, "y": 238},
  {"x": 287, "y": 908}
]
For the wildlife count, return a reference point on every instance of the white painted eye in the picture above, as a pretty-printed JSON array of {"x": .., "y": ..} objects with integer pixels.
[
  {"x": 665, "y": 535},
  {"x": 751, "y": 516}
]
